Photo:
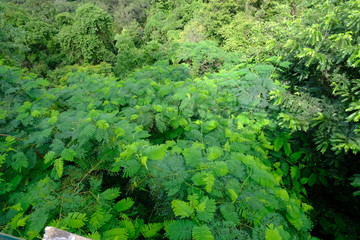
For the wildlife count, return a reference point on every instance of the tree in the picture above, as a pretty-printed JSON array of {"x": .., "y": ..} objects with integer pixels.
[
  {"x": 12, "y": 45},
  {"x": 89, "y": 38}
]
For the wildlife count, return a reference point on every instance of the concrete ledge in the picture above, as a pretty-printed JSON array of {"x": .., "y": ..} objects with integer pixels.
[
  {"x": 52, "y": 233},
  {"x": 4, "y": 236}
]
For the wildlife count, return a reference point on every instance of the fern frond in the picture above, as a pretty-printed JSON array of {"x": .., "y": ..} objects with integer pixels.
[
  {"x": 49, "y": 157},
  {"x": 129, "y": 226},
  {"x": 68, "y": 154},
  {"x": 151, "y": 230},
  {"x": 179, "y": 230},
  {"x": 272, "y": 233},
  {"x": 20, "y": 161},
  {"x": 157, "y": 152},
  {"x": 75, "y": 220},
  {"x": 214, "y": 153},
  {"x": 192, "y": 156},
  {"x": 116, "y": 234},
  {"x": 37, "y": 222},
  {"x": 97, "y": 219},
  {"x": 181, "y": 208},
  {"x": 202, "y": 233},
  {"x": 110, "y": 194},
  {"x": 94, "y": 236},
  {"x": 124, "y": 204},
  {"x": 229, "y": 213},
  {"x": 59, "y": 166},
  {"x": 206, "y": 214}
]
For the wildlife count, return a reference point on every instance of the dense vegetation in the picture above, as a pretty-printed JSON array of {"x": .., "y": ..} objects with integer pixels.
[{"x": 180, "y": 119}]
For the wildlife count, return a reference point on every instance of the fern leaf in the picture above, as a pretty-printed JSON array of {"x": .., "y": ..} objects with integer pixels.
[
  {"x": 75, "y": 220},
  {"x": 209, "y": 181},
  {"x": 116, "y": 234},
  {"x": 192, "y": 156},
  {"x": 68, "y": 155},
  {"x": 110, "y": 194},
  {"x": 156, "y": 152},
  {"x": 294, "y": 172},
  {"x": 202, "y": 233},
  {"x": 124, "y": 204},
  {"x": 278, "y": 143},
  {"x": 102, "y": 124},
  {"x": 181, "y": 208},
  {"x": 36, "y": 223},
  {"x": 272, "y": 234},
  {"x": 59, "y": 166},
  {"x": 229, "y": 213},
  {"x": 160, "y": 124},
  {"x": 232, "y": 195},
  {"x": 208, "y": 212},
  {"x": 20, "y": 161},
  {"x": 87, "y": 132},
  {"x": 18, "y": 221},
  {"x": 119, "y": 132},
  {"x": 94, "y": 236},
  {"x": 49, "y": 157},
  {"x": 220, "y": 169},
  {"x": 214, "y": 153},
  {"x": 282, "y": 194},
  {"x": 179, "y": 230},
  {"x": 151, "y": 230},
  {"x": 129, "y": 226},
  {"x": 97, "y": 219},
  {"x": 263, "y": 178},
  {"x": 95, "y": 184}
]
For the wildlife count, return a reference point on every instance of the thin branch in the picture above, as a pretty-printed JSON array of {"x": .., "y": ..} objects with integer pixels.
[{"x": 6, "y": 135}]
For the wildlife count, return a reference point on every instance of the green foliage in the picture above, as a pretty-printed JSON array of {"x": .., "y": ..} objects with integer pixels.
[
  {"x": 88, "y": 39},
  {"x": 130, "y": 56},
  {"x": 179, "y": 229},
  {"x": 356, "y": 183},
  {"x": 167, "y": 19},
  {"x": 173, "y": 136},
  {"x": 202, "y": 232},
  {"x": 324, "y": 93},
  {"x": 203, "y": 57},
  {"x": 12, "y": 46},
  {"x": 183, "y": 140}
]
